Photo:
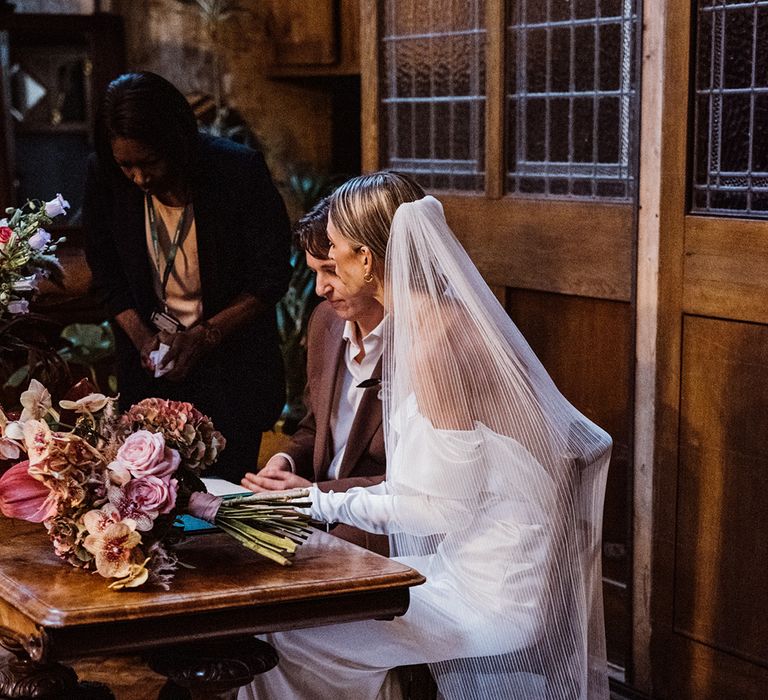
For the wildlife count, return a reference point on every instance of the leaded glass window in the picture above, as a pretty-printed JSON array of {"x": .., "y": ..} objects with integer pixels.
[
  {"x": 730, "y": 172},
  {"x": 571, "y": 97},
  {"x": 433, "y": 91}
]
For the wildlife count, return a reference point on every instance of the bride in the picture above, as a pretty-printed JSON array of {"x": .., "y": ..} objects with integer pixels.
[{"x": 494, "y": 487}]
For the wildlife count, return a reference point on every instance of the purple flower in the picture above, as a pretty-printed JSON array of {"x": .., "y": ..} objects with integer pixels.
[
  {"x": 25, "y": 284},
  {"x": 20, "y": 306},
  {"x": 39, "y": 240},
  {"x": 56, "y": 206}
]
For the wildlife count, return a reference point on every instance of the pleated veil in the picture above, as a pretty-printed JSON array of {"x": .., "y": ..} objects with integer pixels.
[{"x": 513, "y": 477}]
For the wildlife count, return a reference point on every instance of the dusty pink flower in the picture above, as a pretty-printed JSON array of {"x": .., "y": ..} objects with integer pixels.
[
  {"x": 184, "y": 428},
  {"x": 144, "y": 499},
  {"x": 113, "y": 549},
  {"x": 5, "y": 234},
  {"x": 24, "y": 497}
]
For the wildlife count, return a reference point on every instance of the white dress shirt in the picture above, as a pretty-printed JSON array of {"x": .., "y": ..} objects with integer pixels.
[{"x": 348, "y": 396}]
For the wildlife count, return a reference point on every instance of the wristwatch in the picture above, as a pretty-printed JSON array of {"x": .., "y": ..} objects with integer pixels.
[{"x": 212, "y": 334}]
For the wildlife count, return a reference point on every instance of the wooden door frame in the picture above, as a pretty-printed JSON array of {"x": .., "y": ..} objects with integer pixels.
[{"x": 663, "y": 135}]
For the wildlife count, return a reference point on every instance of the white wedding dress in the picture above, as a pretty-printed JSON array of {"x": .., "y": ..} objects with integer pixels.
[
  {"x": 454, "y": 614},
  {"x": 494, "y": 492}
]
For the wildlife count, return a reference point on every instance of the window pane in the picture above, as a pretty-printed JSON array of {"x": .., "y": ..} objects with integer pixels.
[
  {"x": 730, "y": 173},
  {"x": 571, "y": 82},
  {"x": 433, "y": 56}
]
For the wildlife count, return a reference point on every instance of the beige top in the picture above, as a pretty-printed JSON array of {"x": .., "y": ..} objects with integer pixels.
[{"x": 183, "y": 291}]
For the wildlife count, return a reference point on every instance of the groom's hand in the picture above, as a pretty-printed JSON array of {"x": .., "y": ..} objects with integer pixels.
[{"x": 275, "y": 475}]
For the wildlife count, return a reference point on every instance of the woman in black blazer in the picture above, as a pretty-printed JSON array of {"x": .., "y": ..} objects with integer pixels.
[{"x": 188, "y": 242}]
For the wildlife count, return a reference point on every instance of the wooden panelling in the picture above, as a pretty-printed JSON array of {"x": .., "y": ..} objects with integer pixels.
[
  {"x": 304, "y": 33},
  {"x": 725, "y": 268},
  {"x": 721, "y": 554},
  {"x": 617, "y": 606},
  {"x": 580, "y": 248},
  {"x": 319, "y": 38},
  {"x": 698, "y": 672},
  {"x": 586, "y": 346}
]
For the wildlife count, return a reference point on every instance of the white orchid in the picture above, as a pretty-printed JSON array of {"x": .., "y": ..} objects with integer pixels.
[
  {"x": 37, "y": 403},
  {"x": 88, "y": 404}
]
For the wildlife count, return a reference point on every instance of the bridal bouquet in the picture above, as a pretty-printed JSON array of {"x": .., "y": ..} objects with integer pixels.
[
  {"x": 27, "y": 252},
  {"x": 109, "y": 488}
]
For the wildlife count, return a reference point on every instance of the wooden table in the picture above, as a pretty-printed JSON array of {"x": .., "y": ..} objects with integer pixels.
[{"x": 51, "y": 612}]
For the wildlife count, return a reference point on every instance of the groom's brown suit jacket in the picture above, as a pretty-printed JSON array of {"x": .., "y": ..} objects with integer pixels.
[{"x": 311, "y": 447}]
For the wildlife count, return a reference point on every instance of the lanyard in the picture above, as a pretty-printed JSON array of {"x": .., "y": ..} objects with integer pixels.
[{"x": 169, "y": 261}]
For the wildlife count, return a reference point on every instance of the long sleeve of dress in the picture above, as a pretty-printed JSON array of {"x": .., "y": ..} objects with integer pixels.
[{"x": 376, "y": 509}]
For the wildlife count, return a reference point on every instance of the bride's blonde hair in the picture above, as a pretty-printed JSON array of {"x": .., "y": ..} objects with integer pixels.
[{"x": 363, "y": 207}]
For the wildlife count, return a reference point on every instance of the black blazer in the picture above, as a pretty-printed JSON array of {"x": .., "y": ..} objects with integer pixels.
[{"x": 243, "y": 239}]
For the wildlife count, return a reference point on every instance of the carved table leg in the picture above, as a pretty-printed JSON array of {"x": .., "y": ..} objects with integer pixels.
[
  {"x": 211, "y": 670},
  {"x": 21, "y": 677}
]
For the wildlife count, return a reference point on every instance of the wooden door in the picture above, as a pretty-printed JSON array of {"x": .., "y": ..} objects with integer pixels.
[
  {"x": 518, "y": 115},
  {"x": 710, "y": 587}
]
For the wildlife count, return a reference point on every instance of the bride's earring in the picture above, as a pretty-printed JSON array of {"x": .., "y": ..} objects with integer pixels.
[{"x": 368, "y": 276}]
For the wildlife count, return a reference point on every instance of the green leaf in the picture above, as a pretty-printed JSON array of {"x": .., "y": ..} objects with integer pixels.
[{"x": 18, "y": 377}]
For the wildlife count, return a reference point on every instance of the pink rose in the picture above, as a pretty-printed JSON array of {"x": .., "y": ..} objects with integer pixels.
[
  {"x": 145, "y": 454},
  {"x": 142, "y": 500},
  {"x": 168, "y": 465},
  {"x": 5, "y": 234}
]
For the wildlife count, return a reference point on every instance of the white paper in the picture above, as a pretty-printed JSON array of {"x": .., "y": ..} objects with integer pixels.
[
  {"x": 156, "y": 356},
  {"x": 222, "y": 487}
]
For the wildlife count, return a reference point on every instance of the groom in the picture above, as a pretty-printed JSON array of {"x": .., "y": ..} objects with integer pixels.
[{"x": 339, "y": 444}]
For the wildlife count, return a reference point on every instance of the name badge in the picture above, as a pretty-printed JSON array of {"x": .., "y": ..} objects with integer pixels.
[{"x": 166, "y": 322}]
